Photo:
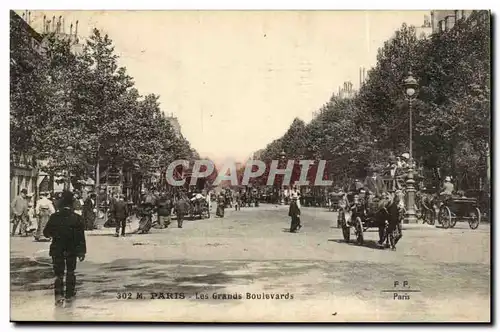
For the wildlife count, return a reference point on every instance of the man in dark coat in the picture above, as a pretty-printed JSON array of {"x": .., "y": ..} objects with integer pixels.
[
  {"x": 294, "y": 213},
  {"x": 181, "y": 208},
  {"x": 374, "y": 184},
  {"x": 237, "y": 201},
  {"x": 164, "y": 211},
  {"x": 67, "y": 230},
  {"x": 89, "y": 212},
  {"x": 221, "y": 205},
  {"x": 376, "y": 190},
  {"x": 119, "y": 212}
]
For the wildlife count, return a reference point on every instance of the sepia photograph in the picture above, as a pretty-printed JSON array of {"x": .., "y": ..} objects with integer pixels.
[{"x": 250, "y": 166}]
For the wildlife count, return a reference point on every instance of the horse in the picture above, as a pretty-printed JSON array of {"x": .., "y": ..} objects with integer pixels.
[{"x": 389, "y": 219}]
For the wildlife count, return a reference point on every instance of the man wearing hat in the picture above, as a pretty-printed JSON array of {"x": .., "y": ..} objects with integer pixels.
[
  {"x": 373, "y": 183},
  {"x": 294, "y": 213},
  {"x": 119, "y": 212},
  {"x": 78, "y": 203},
  {"x": 19, "y": 208},
  {"x": 67, "y": 230},
  {"x": 44, "y": 209},
  {"x": 221, "y": 205}
]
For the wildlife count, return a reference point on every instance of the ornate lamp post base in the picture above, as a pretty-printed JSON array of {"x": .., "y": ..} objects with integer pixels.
[{"x": 411, "y": 217}]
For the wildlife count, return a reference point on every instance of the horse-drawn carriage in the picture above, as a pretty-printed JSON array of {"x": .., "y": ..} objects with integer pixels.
[
  {"x": 199, "y": 208},
  {"x": 447, "y": 210},
  {"x": 459, "y": 208},
  {"x": 358, "y": 212}
]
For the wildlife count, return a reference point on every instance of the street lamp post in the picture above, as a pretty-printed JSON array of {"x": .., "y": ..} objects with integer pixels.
[
  {"x": 411, "y": 86},
  {"x": 282, "y": 194}
]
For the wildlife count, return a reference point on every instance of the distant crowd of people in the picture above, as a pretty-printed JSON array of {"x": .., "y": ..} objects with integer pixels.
[{"x": 29, "y": 218}]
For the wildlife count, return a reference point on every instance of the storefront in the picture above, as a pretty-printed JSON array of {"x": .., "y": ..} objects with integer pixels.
[{"x": 23, "y": 175}]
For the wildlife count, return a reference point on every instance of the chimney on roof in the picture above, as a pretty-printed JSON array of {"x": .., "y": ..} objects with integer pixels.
[
  {"x": 76, "y": 29},
  {"x": 58, "y": 29},
  {"x": 44, "y": 27},
  {"x": 29, "y": 17},
  {"x": 71, "y": 29}
]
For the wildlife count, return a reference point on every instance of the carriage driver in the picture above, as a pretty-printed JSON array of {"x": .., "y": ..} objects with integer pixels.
[{"x": 376, "y": 188}]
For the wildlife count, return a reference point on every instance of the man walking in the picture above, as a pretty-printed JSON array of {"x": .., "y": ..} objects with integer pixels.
[
  {"x": 119, "y": 213},
  {"x": 67, "y": 230},
  {"x": 44, "y": 209},
  {"x": 181, "y": 208},
  {"x": 221, "y": 204},
  {"x": 294, "y": 213},
  {"x": 237, "y": 201},
  {"x": 89, "y": 212},
  {"x": 78, "y": 203},
  {"x": 164, "y": 211},
  {"x": 20, "y": 212}
]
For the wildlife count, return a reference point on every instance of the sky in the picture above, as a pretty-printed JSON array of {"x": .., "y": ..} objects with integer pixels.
[{"x": 236, "y": 80}]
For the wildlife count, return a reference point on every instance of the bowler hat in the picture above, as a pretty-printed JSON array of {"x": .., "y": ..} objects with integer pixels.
[{"x": 67, "y": 198}]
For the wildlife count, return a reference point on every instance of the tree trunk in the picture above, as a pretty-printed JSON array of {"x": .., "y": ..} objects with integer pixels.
[
  {"x": 453, "y": 166},
  {"x": 97, "y": 178}
]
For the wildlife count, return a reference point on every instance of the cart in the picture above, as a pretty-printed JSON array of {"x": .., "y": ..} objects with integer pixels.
[
  {"x": 199, "y": 208},
  {"x": 463, "y": 209},
  {"x": 353, "y": 214}
]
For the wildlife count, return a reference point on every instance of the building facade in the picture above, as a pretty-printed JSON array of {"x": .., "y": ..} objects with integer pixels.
[
  {"x": 445, "y": 20},
  {"x": 176, "y": 126},
  {"x": 346, "y": 91},
  {"x": 25, "y": 172},
  {"x": 425, "y": 30},
  {"x": 23, "y": 167}
]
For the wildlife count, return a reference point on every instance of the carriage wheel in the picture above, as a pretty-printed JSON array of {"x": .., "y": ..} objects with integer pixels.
[
  {"x": 475, "y": 218},
  {"x": 453, "y": 222},
  {"x": 346, "y": 230},
  {"x": 359, "y": 230},
  {"x": 390, "y": 236},
  {"x": 445, "y": 216}
]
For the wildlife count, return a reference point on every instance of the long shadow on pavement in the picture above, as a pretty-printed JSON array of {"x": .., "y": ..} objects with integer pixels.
[{"x": 370, "y": 244}]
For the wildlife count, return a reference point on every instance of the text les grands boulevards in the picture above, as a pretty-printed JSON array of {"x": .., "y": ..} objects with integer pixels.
[{"x": 203, "y": 296}]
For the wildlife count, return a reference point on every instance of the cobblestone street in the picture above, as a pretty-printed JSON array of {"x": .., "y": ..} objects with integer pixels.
[{"x": 251, "y": 251}]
